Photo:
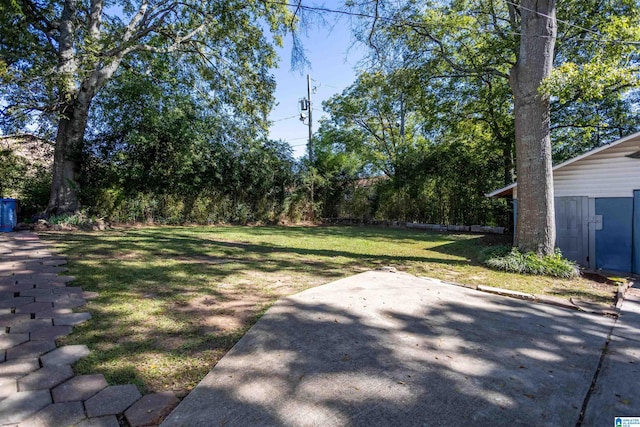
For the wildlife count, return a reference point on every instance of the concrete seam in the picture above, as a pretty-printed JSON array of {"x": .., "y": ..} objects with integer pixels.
[{"x": 605, "y": 350}]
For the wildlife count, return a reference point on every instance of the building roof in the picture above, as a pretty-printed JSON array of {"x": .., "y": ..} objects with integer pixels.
[{"x": 508, "y": 190}]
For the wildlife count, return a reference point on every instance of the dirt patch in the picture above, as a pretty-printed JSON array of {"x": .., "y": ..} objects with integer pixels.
[
  {"x": 233, "y": 307},
  {"x": 128, "y": 255},
  {"x": 598, "y": 278},
  {"x": 233, "y": 314},
  {"x": 496, "y": 239},
  {"x": 223, "y": 314}
]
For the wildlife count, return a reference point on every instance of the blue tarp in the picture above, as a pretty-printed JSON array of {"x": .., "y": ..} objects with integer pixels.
[{"x": 8, "y": 214}]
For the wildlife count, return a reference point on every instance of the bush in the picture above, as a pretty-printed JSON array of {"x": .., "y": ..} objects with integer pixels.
[
  {"x": 512, "y": 260},
  {"x": 34, "y": 194},
  {"x": 26, "y": 181},
  {"x": 76, "y": 220}
]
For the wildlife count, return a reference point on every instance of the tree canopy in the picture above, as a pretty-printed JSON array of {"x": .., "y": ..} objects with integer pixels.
[
  {"x": 58, "y": 55},
  {"x": 153, "y": 103},
  {"x": 489, "y": 63}
]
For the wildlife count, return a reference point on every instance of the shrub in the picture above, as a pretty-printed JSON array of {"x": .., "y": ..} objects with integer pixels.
[
  {"x": 512, "y": 260},
  {"x": 27, "y": 181},
  {"x": 78, "y": 220}
]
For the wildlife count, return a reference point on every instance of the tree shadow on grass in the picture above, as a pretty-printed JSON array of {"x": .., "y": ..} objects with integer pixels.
[
  {"x": 187, "y": 247},
  {"x": 471, "y": 248},
  {"x": 365, "y": 232},
  {"x": 164, "y": 271}
]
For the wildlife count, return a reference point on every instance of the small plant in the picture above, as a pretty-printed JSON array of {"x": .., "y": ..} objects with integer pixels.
[
  {"x": 78, "y": 219},
  {"x": 67, "y": 219},
  {"x": 512, "y": 260}
]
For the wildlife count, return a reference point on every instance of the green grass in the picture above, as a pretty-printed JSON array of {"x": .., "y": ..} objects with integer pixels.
[{"x": 173, "y": 300}]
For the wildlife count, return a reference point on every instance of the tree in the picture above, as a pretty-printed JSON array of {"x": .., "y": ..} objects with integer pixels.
[
  {"x": 379, "y": 108},
  {"x": 535, "y": 225},
  {"x": 58, "y": 55},
  {"x": 338, "y": 163},
  {"x": 514, "y": 41},
  {"x": 158, "y": 149}
]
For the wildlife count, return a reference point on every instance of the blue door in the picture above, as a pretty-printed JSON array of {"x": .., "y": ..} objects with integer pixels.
[
  {"x": 636, "y": 231},
  {"x": 614, "y": 240}
]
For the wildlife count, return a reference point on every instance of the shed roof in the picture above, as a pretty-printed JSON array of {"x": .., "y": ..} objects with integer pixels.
[{"x": 508, "y": 190}]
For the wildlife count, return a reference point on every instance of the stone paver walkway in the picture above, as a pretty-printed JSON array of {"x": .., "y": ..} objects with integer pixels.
[{"x": 38, "y": 386}]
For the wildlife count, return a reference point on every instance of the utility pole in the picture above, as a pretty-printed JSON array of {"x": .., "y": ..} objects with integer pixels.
[{"x": 310, "y": 141}]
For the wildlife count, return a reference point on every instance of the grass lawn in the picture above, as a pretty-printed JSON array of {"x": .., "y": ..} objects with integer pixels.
[{"x": 173, "y": 300}]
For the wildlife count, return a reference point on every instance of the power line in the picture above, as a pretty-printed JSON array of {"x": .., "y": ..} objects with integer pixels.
[
  {"x": 415, "y": 24},
  {"x": 569, "y": 24},
  {"x": 324, "y": 84},
  {"x": 284, "y": 118},
  {"x": 549, "y": 17}
]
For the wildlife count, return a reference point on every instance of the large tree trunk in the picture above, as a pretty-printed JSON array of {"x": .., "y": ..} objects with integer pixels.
[
  {"x": 68, "y": 151},
  {"x": 76, "y": 97},
  {"x": 64, "y": 189},
  {"x": 535, "y": 228}
]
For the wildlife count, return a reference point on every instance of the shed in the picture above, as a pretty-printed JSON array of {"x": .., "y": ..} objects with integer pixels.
[{"x": 597, "y": 206}]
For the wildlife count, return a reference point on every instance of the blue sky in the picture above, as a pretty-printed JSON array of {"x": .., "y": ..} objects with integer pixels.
[{"x": 333, "y": 60}]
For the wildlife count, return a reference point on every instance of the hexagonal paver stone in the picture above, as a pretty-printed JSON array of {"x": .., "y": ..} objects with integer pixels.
[
  {"x": 35, "y": 292},
  {"x": 58, "y": 414},
  {"x": 70, "y": 303},
  {"x": 50, "y": 314},
  {"x": 35, "y": 279},
  {"x": 45, "y": 378},
  {"x": 34, "y": 307},
  {"x": 54, "y": 261},
  {"x": 112, "y": 400},
  {"x": 54, "y": 298},
  {"x": 68, "y": 290},
  {"x": 30, "y": 325},
  {"x": 30, "y": 350},
  {"x": 10, "y": 320},
  {"x": 67, "y": 355},
  {"x": 71, "y": 319},
  {"x": 151, "y": 409},
  {"x": 50, "y": 333},
  {"x": 53, "y": 269},
  {"x": 15, "y": 302},
  {"x": 46, "y": 285},
  {"x": 22, "y": 405},
  {"x": 108, "y": 421},
  {"x": 17, "y": 287},
  {"x": 7, "y": 280},
  {"x": 55, "y": 284},
  {"x": 11, "y": 340},
  {"x": 14, "y": 369},
  {"x": 81, "y": 387},
  {"x": 7, "y": 388}
]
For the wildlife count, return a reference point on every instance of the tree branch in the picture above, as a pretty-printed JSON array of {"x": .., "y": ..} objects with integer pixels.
[
  {"x": 95, "y": 19},
  {"x": 40, "y": 22},
  {"x": 446, "y": 56}
]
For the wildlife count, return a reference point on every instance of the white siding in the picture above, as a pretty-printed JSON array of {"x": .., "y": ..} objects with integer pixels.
[{"x": 608, "y": 173}]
